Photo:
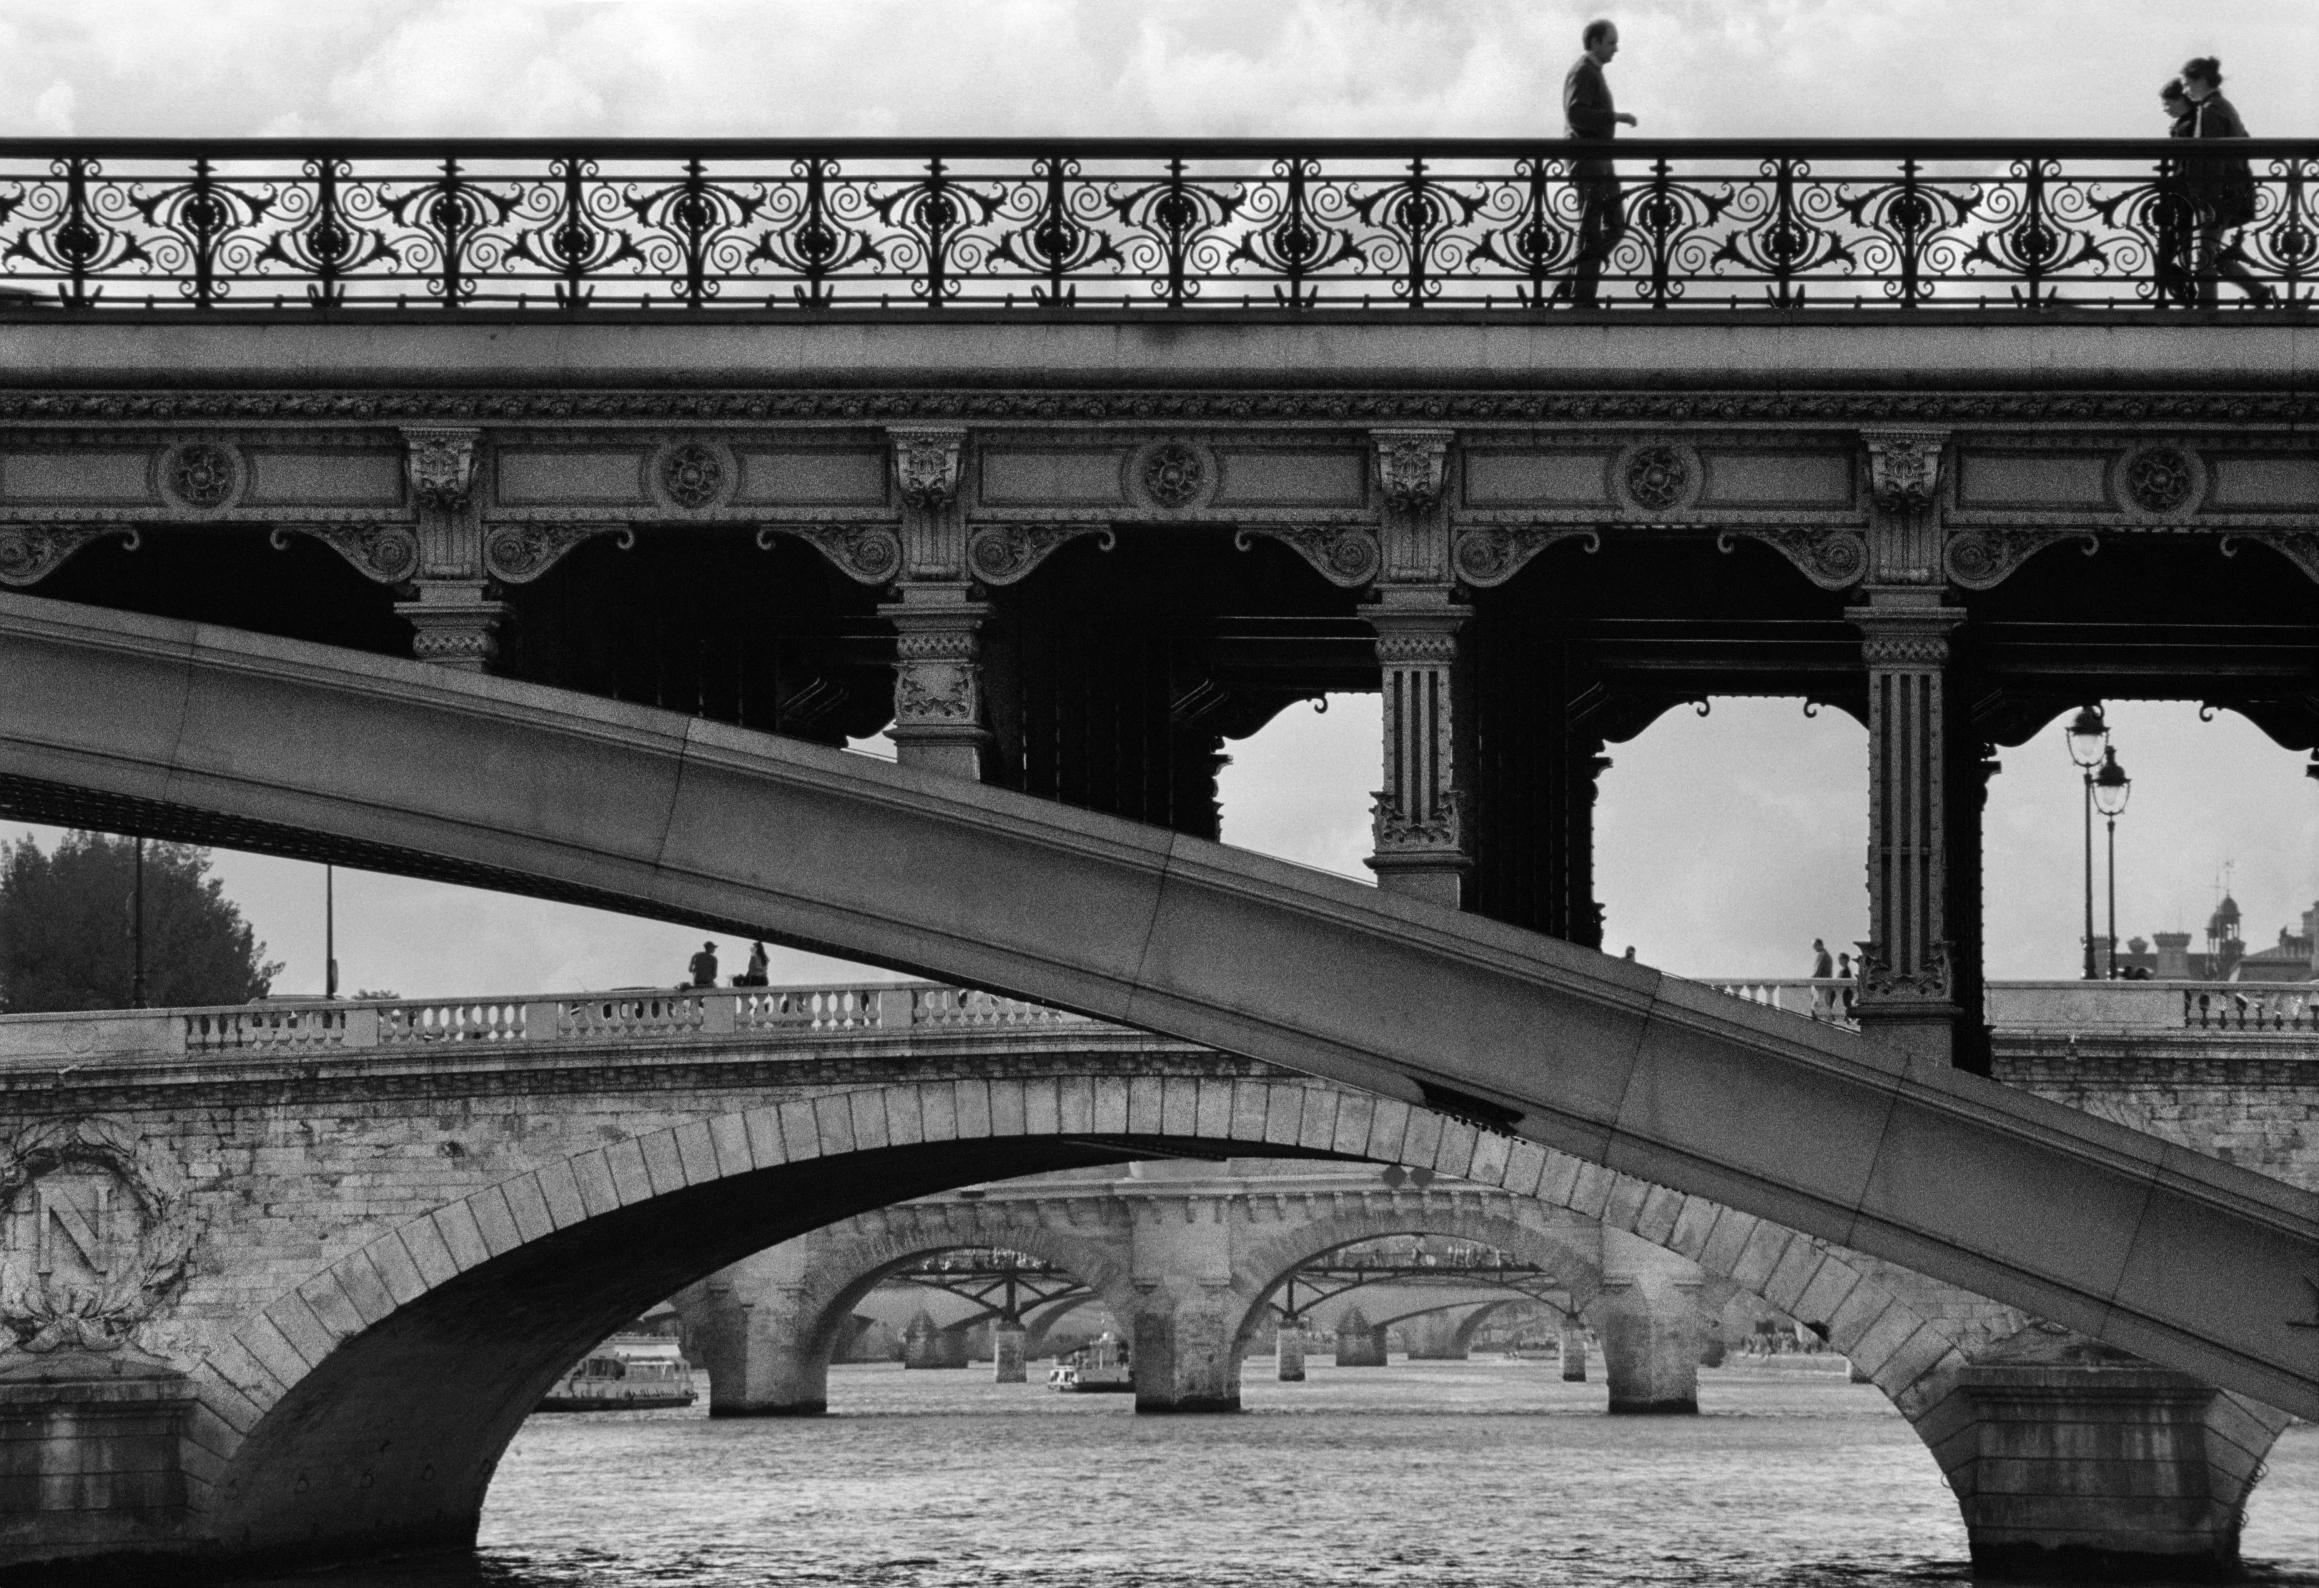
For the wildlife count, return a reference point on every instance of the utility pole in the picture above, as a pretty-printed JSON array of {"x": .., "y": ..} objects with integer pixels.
[
  {"x": 329, "y": 933},
  {"x": 137, "y": 933}
]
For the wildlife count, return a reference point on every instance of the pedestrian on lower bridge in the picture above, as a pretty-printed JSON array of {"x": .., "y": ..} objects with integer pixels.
[
  {"x": 704, "y": 966},
  {"x": 1823, "y": 968}
]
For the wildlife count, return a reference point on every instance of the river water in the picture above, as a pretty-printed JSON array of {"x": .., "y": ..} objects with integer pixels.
[{"x": 1439, "y": 1473}]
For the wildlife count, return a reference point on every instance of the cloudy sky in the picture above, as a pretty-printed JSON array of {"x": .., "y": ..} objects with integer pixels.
[{"x": 1727, "y": 842}]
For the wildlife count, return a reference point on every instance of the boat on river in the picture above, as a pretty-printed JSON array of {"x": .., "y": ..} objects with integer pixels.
[
  {"x": 1095, "y": 1369},
  {"x": 627, "y": 1373}
]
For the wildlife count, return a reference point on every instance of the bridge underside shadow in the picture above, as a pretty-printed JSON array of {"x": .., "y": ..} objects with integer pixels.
[{"x": 182, "y": 731}]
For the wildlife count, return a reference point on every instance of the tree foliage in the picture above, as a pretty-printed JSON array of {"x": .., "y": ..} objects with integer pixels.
[{"x": 66, "y": 928}]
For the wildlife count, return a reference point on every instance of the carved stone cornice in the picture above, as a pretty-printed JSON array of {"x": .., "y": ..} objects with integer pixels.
[
  {"x": 926, "y": 465},
  {"x": 1982, "y": 559},
  {"x": 1347, "y": 555},
  {"x": 382, "y": 553},
  {"x": 520, "y": 553},
  {"x": 1487, "y": 555},
  {"x": 440, "y": 464},
  {"x": 29, "y": 553},
  {"x": 1904, "y": 468},
  {"x": 1833, "y": 559},
  {"x": 1411, "y": 465},
  {"x": 1002, "y": 554},
  {"x": 936, "y": 406},
  {"x": 868, "y": 554}
]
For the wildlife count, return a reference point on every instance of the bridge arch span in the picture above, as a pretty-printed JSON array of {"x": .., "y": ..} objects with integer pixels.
[
  {"x": 366, "y": 1407},
  {"x": 186, "y": 731}
]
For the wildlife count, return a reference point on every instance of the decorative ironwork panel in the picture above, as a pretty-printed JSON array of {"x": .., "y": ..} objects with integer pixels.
[{"x": 1041, "y": 227}]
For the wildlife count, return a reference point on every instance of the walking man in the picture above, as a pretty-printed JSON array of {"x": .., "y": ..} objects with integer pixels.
[
  {"x": 1823, "y": 968},
  {"x": 1587, "y": 112}
]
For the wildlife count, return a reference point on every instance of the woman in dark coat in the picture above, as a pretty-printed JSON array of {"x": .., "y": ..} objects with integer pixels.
[{"x": 2222, "y": 187}]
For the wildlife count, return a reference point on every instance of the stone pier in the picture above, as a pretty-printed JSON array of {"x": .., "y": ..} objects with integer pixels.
[
  {"x": 1650, "y": 1330},
  {"x": 1360, "y": 1343},
  {"x": 1573, "y": 1351},
  {"x": 926, "y": 1344},
  {"x": 1008, "y": 1341},
  {"x": 1288, "y": 1351}
]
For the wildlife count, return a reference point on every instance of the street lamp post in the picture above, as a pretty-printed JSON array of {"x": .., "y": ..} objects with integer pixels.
[
  {"x": 2089, "y": 739},
  {"x": 2111, "y": 787}
]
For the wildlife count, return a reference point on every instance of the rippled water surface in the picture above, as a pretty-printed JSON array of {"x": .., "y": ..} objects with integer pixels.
[{"x": 1441, "y": 1473}]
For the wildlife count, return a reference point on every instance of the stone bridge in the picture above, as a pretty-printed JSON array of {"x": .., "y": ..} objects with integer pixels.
[{"x": 253, "y": 1219}]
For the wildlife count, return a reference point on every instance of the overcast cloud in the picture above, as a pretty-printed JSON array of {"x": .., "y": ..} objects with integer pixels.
[{"x": 1728, "y": 842}]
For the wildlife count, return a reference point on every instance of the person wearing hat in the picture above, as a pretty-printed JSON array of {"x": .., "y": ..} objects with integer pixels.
[{"x": 704, "y": 966}]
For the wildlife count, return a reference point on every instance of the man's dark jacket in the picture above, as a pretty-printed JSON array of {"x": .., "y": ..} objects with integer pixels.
[{"x": 1587, "y": 111}]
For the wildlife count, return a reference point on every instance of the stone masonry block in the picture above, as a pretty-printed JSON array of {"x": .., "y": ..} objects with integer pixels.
[
  {"x": 1558, "y": 1179},
  {"x": 1694, "y": 1225},
  {"x": 1766, "y": 1245},
  {"x": 1525, "y": 1168},
  {"x": 906, "y": 1116},
  {"x": 833, "y": 1125},
  {"x": 866, "y": 1112},
  {"x": 430, "y": 1253},
  {"x": 206, "y": 1428},
  {"x": 1453, "y": 1152},
  {"x": 530, "y": 1206},
  {"x": 359, "y": 1279},
  {"x": 1919, "y": 1354},
  {"x": 696, "y": 1149},
  {"x": 592, "y": 1173},
  {"x": 244, "y": 1374},
  {"x": 1491, "y": 1154},
  {"x": 728, "y": 1135},
  {"x": 1828, "y": 1290},
  {"x": 1075, "y": 1104},
  {"x": 1356, "y": 1112},
  {"x": 1655, "y": 1219},
  {"x": 2242, "y": 1424},
  {"x": 1784, "y": 1287},
  {"x": 494, "y": 1220},
  {"x": 662, "y": 1164},
  {"x": 391, "y": 1259},
  {"x": 1283, "y": 1113},
  {"x": 295, "y": 1322},
  {"x": 800, "y": 1130},
  {"x": 461, "y": 1237},
  {"x": 1215, "y": 1108},
  {"x": 631, "y": 1181},
  {"x": 1180, "y": 1106},
  {"x": 1145, "y": 1095},
  {"x": 1111, "y": 1105},
  {"x": 1852, "y": 1318},
  {"x": 332, "y": 1307},
  {"x": 973, "y": 1110},
  {"x": 1421, "y": 1139},
  {"x": 1872, "y": 1352},
  {"x": 1592, "y": 1191},
  {"x": 1248, "y": 1104},
  {"x": 938, "y": 1108},
  {"x": 1009, "y": 1109}
]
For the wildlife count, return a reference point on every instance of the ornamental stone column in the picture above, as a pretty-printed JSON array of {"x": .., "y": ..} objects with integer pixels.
[
  {"x": 1421, "y": 824},
  {"x": 1910, "y": 981},
  {"x": 939, "y": 711},
  {"x": 458, "y": 624}
]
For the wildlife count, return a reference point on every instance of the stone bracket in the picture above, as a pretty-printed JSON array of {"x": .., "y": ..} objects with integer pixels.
[
  {"x": 868, "y": 554},
  {"x": 1003, "y": 554},
  {"x": 1347, "y": 555},
  {"x": 1488, "y": 555},
  {"x": 2300, "y": 547},
  {"x": 29, "y": 553},
  {"x": 520, "y": 553},
  {"x": 1904, "y": 468},
  {"x": 382, "y": 553},
  {"x": 1411, "y": 465},
  {"x": 440, "y": 464},
  {"x": 1982, "y": 559},
  {"x": 1833, "y": 559}
]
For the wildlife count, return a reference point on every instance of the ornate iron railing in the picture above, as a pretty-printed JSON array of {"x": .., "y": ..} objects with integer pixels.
[{"x": 1141, "y": 226}]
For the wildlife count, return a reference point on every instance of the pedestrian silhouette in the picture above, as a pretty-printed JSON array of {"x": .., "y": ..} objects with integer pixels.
[
  {"x": 1823, "y": 968},
  {"x": 754, "y": 976},
  {"x": 2221, "y": 187},
  {"x": 1587, "y": 112},
  {"x": 704, "y": 966}
]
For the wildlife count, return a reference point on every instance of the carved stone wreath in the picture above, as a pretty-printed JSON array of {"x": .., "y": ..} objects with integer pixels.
[
  {"x": 1658, "y": 479},
  {"x": 200, "y": 474},
  {"x": 2161, "y": 480},
  {"x": 692, "y": 474},
  {"x": 130, "y": 1277},
  {"x": 1173, "y": 474}
]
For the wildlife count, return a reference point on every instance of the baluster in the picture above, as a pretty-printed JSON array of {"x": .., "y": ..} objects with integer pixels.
[
  {"x": 449, "y": 213},
  {"x": 1419, "y": 221},
  {"x": 1662, "y": 228},
  {"x": 1295, "y": 233},
  {"x": 1907, "y": 213},
  {"x": 2033, "y": 248},
  {"x": 76, "y": 238},
  {"x": 1058, "y": 240},
  {"x": 571, "y": 238},
  {"x": 816, "y": 226},
  {"x": 1175, "y": 214},
  {"x": 1783, "y": 232},
  {"x": 693, "y": 215},
  {"x": 329, "y": 233},
  {"x": 1541, "y": 227},
  {"x": 937, "y": 231},
  {"x": 206, "y": 213}
]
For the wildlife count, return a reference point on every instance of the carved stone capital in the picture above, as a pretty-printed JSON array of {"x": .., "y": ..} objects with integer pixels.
[
  {"x": 1002, "y": 554},
  {"x": 1904, "y": 467},
  {"x": 1347, "y": 555},
  {"x": 926, "y": 463},
  {"x": 1833, "y": 559},
  {"x": 1911, "y": 638},
  {"x": 1929, "y": 983},
  {"x": 865, "y": 553},
  {"x": 937, "y": 672},
  {"x": 520, "y": 553},
  {"x": 1416, "y": 648},
  {"x": 456, "y": 627},
  {"x": 1410, "y": 467},
  {"x": 441, "y": 467},
  {"x": 382, "y": 553},
  {"x": 1398, "y": 832},
  {"x": 1488, "y": 555},
  {"x": 29, "y": 553},
  {"x": 1982, "y": 559}
]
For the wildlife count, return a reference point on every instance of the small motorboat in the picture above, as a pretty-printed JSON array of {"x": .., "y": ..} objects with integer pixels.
[{"x": 627, "y": 1373}]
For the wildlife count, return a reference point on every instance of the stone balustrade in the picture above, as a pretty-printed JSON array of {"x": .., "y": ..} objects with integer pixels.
[{"x": 2061, "y": 1008}]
